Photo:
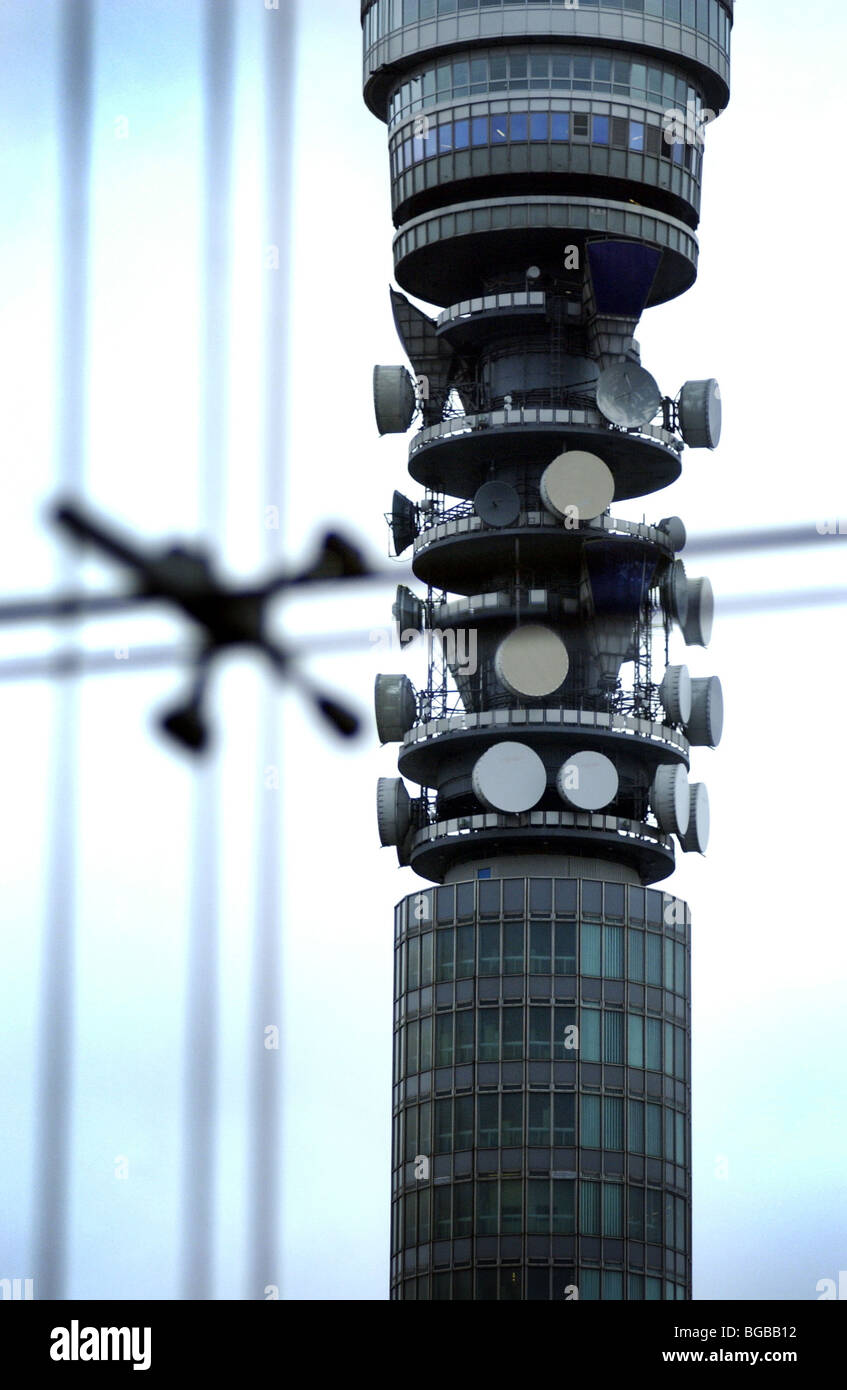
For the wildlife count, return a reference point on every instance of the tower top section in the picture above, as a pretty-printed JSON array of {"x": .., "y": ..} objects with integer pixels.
[{"x": 693, "y": 33}]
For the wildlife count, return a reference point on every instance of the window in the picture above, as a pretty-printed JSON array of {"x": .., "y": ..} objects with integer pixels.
[
  {"x": 600, "y": 130},
  {"x": 425, "y": 1055},
  {"x": 489, "y": 1035},
  {"x": 612, "y": 1122},
  {"x": 590, "y": 939},
  {"x": 441, "y": 1212},
  {"x": 635, "y": 1141},
  {"x": 518, "y": 126},
  {"x": 538, "y": 1206},
  {"x": 489, "y": 948},
  {"x": 444, "y": 955},
  {"x": 589, "y": 1208},
  {"x": 462, "y": 1208},
  {"x": 635, "y": 1041},
  {"x": 510, "y": 1206},
  {"x": 413, "y": 967},
  {"x": 486, "y": 1209},
  {"x": 464, "y": 1036},
  {"x": 443, "y": 1126},
  {"x": 636, "y": 135},
  {"x": 539, "y": 1117},
  {"x": 563, "y": 1206},
  {"x": 654, "y": 1131},
  {"x": 539, "y": 947},
  {"x": 613, "y": 949},
  {"x": 589, "y": 1121},
  {"x": 538, "y": 125},
  {"x": 560, "y": 125},
  {"x": 498, "y": 130},
  {"x": 539, "y": 1033},
  {"x": 635, "y": 1226},
  {"x": 653, "y": 1049},
  {"x": 487, "y": 1121},
  {"x": 564, "y": 1126},
  {"x": 565, "y": 962},
  {"x": 512, "y": 1033},
  {"x": 613, "y": 1210},
  {"x": 565, "y": 1034},
  {"x": 445, "y": 138},
  {"x": 464, "y": 952},
  {"x": 653, "y": 1215},
  {"x": 513, "y": 957},
  {"x": 613, "y": 1038},
  {"x": 511, "y": 1125},
  {"x": 589, "y": 1040},
  {"x": 444, "y": 1040}
]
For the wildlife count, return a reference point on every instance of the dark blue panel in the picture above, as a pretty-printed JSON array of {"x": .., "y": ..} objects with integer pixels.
[
  {"x": 620, "y": 576},
  {"x": 623, "y": 273}
]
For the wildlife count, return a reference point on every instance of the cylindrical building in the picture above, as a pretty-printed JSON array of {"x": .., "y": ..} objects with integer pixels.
[{"x": 545, "y": 163}]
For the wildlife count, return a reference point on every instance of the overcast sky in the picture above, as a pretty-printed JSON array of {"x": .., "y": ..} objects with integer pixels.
[{"x": 769, "y": 965}]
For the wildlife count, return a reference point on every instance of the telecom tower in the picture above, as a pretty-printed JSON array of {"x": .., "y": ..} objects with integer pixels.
[{"x": 546, "y": 166}]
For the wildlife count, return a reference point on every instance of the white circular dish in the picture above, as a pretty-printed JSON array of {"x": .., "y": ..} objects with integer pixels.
[
  {"x": 532, "y": 661},
  {"x": 577, "y": 485},
  {"x": 509, "y": 777},
  {"x": 587, "y": 781}
]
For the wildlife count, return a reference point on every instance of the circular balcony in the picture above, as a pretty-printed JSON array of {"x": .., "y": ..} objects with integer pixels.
[
  {"x": 459, "y": 552},
  {"x": 450, "y": 253},
  {"x": 440, "y": 846},
  {"x": 457, "y": 456}
]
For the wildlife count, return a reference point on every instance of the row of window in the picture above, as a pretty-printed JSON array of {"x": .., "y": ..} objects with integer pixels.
[
  {"x": 540, "y": 948},
  {"x": 567, "y": 897},
  {"x": 540, "y": 1206},
  {"x": 542, "y": 127},
  {"x": 539, "y": 1284},
  {"x": 708, "y": 17},
  {"x": 540, "y": 1033},
  {"x": 540, "y": 1119},
  {"x": 555, "y": 70}
]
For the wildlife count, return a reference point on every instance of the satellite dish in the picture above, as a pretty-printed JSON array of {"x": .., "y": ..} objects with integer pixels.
[
  {"x": 408, "y": 609},
  {"x": 675, "y": 694},
  {"x": 396, "y": 707},
  {"x": 393, "y": 810},
  {"x": 404, "y": 522},
  {"x": 674, "y": 528},
  {"x": 627, "y": 394},
  {"x": 509, "y": 777},
  {"x": 699, "y": 411},
  {"x": 669, "y": 798},
  {"x": 532, "y": 661},
  {"x": 675, "y": 592},
  {"x": 704, "y": 727},
  {"x": 695, "y": 839},
  {"x": 394, "y": 399},
  {"x": 699, "y": 620},
  {"x": 533, "y": 273},
  {"x": 497, "y": 504},
  {"x": 588, "y": 781},
  {"x": 578, "y": 481}
]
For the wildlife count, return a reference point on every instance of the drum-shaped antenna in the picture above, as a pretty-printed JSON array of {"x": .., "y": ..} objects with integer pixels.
[
  {"x": 532, "y": 661},
  {"x": 577, "y": 485},
  {"x": 669, "y": 798},
  {"x": 704, "y": 728},
  {"x": 509, "y": 777},
  {"x": 394, "y": 399},
  {"x": 404, "y": 522},
  {"x": 588, "y": 781},
  {"x": 675, "y": 694},
  {"x": 393, "y": 810},
  {"x": 699, "y": 411},
  {"x": 674, "y": 528},
  {"x": 695, "y": 838},
  {"x": 627, "y": 394},
  {"x": 396, "y": 707},
  {"x": 675, "y": 592},
  {"x": 700, "y": 615},
  {"x": 497, "y": 504},
  {"x": 408, "y": 610}
]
